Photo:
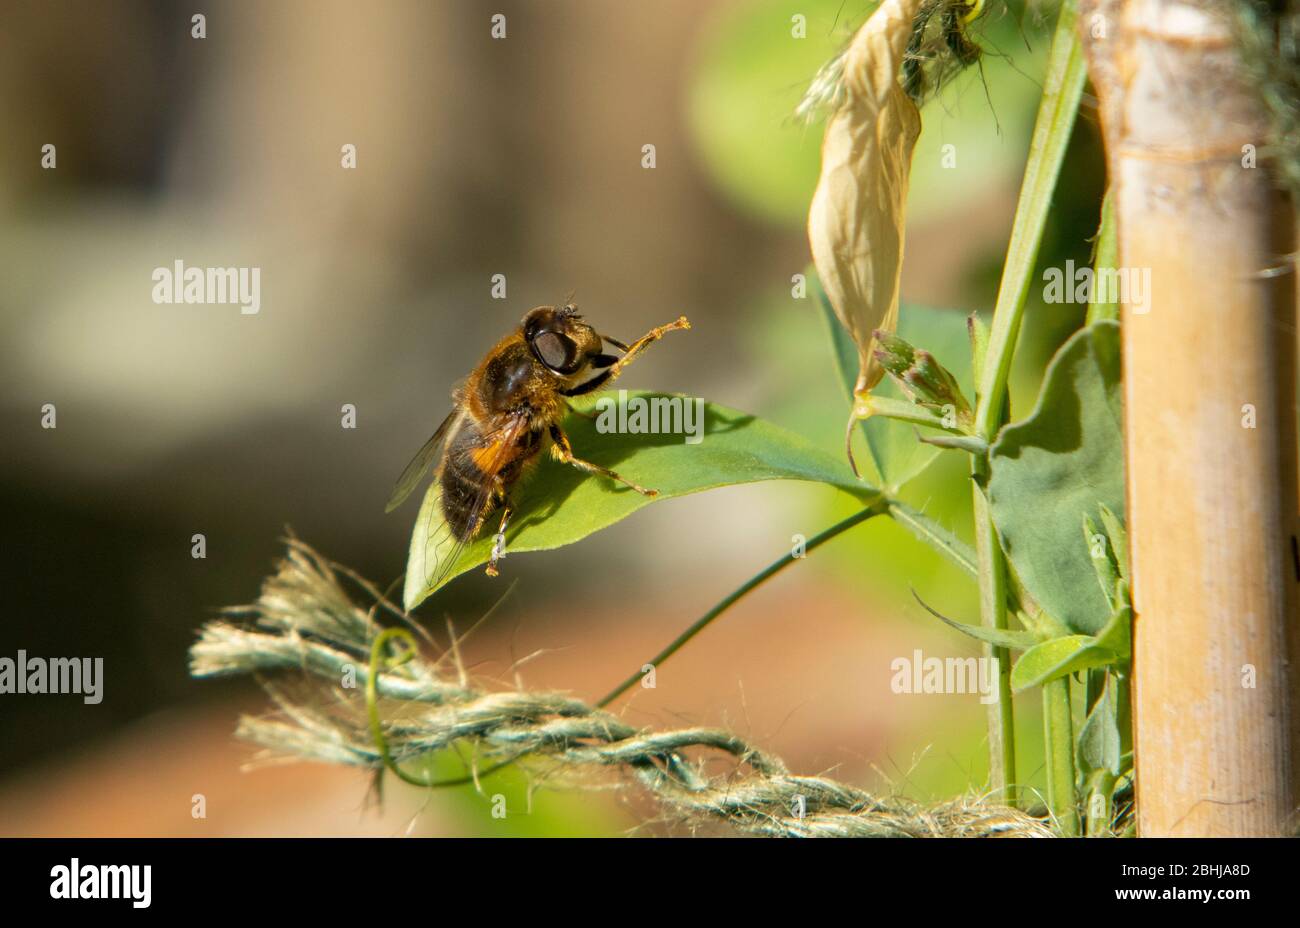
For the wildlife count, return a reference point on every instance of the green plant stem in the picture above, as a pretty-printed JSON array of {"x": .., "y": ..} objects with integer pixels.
[
  {"x": 1062, "y": 86},
  {"x": 907, "y": 411},
  {"x": 993, "y": 614},
  {"x": 877, "y": 508},
  {"x": 1101, "y": 787},
  {"x": 935, "y": 535},
  {"x": 1105, "y": 259},
  {"x": 1124, "y": 709},
  {"x": 1058, "y": 738}
]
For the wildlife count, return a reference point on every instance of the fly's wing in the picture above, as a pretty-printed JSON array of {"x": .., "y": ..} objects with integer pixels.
[
  {"x": 436, "y": 555},
  {"x": 423, "y": 460}
]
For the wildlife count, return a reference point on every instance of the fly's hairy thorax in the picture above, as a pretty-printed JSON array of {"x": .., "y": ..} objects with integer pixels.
[{"x": 510, "y": 382}]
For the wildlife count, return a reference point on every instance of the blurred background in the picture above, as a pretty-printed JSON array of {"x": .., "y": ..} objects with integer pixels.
[{"x": 475, "y": 157}]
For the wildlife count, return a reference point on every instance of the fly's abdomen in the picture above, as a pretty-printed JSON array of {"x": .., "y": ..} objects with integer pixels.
[
  {"x": 461, "y": 506},
  {"x": 467, "y": 492},
  {"x": 480, "y": 470}
]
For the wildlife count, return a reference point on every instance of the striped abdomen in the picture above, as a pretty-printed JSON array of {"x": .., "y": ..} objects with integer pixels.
[{"x": 478, "y": 470}]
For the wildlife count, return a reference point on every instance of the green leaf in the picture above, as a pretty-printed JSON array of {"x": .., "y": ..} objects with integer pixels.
[
  {"x": 998, "y": 637},
  {"x": 897, "y": 455},
  {"x": 1105, "y": 259},
  {"x": 846, "y": 352},
  {"x": 1118, "y": 537},
  {"x": 1056, "y": 658},
  {"x": 1103, "y": 557},
  {"x": 1058, "y": 464},
  {"x": 558, "y": 504},
  {"x": 1099, "y": 747},
  {"x": 1117, "y": 636}
]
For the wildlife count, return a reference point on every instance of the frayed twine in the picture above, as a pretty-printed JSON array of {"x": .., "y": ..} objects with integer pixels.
[{"x": 366, "y": 702}]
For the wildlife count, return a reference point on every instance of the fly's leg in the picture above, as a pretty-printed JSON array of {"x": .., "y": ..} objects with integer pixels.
[
  {"x": 498, "y": 543},
  {"x": 499, "y": 540},
  {"x": 564, "y": 451},
  {"x": 615, "y": 368},
  {"x": 640, "y": 344}
]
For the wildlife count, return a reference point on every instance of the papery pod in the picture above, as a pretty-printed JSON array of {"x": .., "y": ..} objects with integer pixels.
[{"x": 855, "y": 224}]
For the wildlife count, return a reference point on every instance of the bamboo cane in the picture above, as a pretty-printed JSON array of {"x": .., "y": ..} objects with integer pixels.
[{"x": 1210, "y": 421}]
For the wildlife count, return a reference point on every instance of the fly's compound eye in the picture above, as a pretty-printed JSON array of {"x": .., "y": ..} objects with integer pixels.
[{"x": 557, "y": 352}]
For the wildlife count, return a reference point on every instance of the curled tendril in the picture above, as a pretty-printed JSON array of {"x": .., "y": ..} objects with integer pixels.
[{"x": 378, "y": 664}]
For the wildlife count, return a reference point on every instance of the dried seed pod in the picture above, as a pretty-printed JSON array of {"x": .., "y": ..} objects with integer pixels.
[{"x": 855, "y": 224}]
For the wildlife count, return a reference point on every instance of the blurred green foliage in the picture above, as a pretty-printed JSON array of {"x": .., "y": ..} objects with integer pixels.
[{"x": 751, "y": 72}]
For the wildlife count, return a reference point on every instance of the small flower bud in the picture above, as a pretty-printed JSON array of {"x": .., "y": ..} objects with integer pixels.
[{"x": 925, "y": 381}]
